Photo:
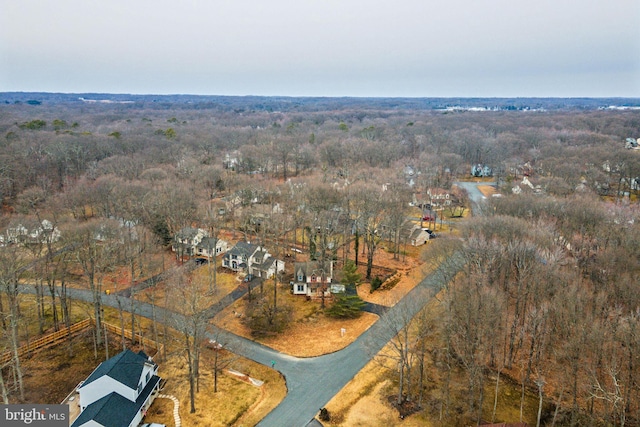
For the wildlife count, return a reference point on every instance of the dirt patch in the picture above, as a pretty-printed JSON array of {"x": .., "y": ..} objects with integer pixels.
[{"x": 405, "y": 408}]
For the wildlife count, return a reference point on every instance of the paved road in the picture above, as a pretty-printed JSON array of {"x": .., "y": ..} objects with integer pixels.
[
  {"x": 475, "y": 195},
  {"x": 311, "y": 382}
]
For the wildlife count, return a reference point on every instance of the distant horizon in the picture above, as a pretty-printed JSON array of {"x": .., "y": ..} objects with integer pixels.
[{"x": 314, "y": 96}]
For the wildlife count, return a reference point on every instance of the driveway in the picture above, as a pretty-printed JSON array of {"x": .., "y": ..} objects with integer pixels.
[{"x": 312, "y": 382}]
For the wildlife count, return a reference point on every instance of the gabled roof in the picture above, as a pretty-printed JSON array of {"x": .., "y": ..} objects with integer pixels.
[
  {"x": 244, "y": 249},
  {"x": 209, "y": 243},
  {"x": 187, "y": 233},
  {"x": 115, "y": 410},
  {"x": 410, "y": 231},
  {"x": 309, "y": 268},
  {"x": 260, "y": 256},
  {"x": 125, "y": 368},
  {"x": 266, "y": 264}
]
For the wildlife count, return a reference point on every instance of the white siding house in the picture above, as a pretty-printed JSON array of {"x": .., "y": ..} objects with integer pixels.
[
  {"x": 252, "y": 259},
  {"x": 211, "y": 247},
  {"x": 311, "y": 278},
  {"x": 118, "y": 392}
]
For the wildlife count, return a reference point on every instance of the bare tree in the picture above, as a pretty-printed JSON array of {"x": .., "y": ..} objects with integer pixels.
[
  {"x": 12, "y": 267},
  {"x": 188, "y": 300},
  {"x": 95, "y": 248}
]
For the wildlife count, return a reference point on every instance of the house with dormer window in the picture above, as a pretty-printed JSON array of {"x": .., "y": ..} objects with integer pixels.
[
  {"x": 196, "y": 241},
  {"x": 253, "y": 260},
  {"x": 118, "y": 392},
  {"x": 311, "y": 278},
  {"x": 211, "y": 247}
]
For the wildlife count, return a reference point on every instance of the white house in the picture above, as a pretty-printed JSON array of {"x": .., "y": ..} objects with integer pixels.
[
  {"x": 187, "y": 239},
  {"x": 211, "y": 247},
  {"x": 118, "y": 392},
  {"x": 312, "y": 277},
  {"x": 414, "y": 235},
  {"x": 252, "y": 259},
  {"x": 44, "y": 232}
]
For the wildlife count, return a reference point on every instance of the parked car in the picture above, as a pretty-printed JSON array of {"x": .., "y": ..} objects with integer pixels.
[
  {"x": 432, "y": 235},
  {"x": 429, "y": 217},
  {"x": 248, "y": 277}
]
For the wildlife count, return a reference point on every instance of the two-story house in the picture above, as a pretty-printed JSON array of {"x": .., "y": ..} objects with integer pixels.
[
  {"x": 118, "y": 392},
  {"x": 252, "y": 259},
  {"x": 186, "y": 240},
  {"x": 211, "y": 247},
  {"x": 196, "y": 241},
  {"x": 312, "y": 278}
]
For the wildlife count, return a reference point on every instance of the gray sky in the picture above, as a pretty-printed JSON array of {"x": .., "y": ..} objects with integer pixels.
[{"x": 493, "y": 48}]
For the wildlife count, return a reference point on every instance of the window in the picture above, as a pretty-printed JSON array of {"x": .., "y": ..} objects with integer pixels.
[
  {"x": 301, "y": 278},
  {"x": 300, "y": 288},
  {"x": 313, "y": 278}
]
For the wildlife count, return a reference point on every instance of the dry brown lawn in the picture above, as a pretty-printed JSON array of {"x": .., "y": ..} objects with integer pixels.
[
  {"x": 50, "y": 374},
  {"x": 363, "y": 402},
  {"x": 162, "y": 295},
  {"x": 487, "y": 190},
  {"x": 236, "y": 402},
  {"x": 302, "y": 338},
  {"x": 310, "y": 333}
]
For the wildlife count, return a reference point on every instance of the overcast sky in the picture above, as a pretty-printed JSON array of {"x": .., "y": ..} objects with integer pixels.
[{"x": 414, "y": 48}]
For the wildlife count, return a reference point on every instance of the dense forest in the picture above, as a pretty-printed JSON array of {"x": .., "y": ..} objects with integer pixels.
[{"x": 549, "y": 272}]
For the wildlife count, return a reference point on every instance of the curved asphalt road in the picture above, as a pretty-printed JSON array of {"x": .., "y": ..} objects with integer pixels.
[{"x": 311, "y": 382}]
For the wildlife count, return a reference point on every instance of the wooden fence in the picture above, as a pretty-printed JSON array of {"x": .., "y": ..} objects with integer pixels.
[
  {"x": 76, "y": 327},
  {"x": 45, "y": 340},
  {"x": 145, "y": 342}
]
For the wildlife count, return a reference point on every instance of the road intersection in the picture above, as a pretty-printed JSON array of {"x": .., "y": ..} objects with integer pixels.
[{"x": 311, "y": 382}]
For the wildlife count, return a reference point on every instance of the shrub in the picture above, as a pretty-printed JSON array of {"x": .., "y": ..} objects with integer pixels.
[
  {"x": 346, "y": 307},
  {"x": 375, "y": 283}
]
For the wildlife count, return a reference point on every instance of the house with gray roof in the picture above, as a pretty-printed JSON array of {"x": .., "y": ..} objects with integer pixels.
[
  {"x": 196, "y": 241},
  {"x": 414, "y": 235},
  {"x": 312, "y": 278},
  {"x": 252, "y": 259},
  {"x": 118, "y": 392},
  {"x": 211, "y": 247}
]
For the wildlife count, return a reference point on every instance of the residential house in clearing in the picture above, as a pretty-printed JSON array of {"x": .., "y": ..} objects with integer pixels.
[
  {"x": 211, "y": 247},
  {"x": 187, "y": 239},
  {"x": 43, "y": 232},
  {"x": 413, "y": 234},
  {"x": 311, "y": 278},
  {"x": 196, "y": 241},
  {"x": 253, "y": 260},
  {"x": 118, "y": 392}
]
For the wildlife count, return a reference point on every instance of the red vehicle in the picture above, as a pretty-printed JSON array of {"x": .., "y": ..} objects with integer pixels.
[{"x": 429, "y": 217}]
